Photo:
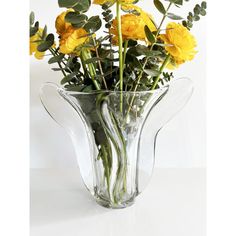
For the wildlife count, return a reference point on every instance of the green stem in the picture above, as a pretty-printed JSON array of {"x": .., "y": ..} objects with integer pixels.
[
  {"x": 85, "y": 54},
  {"x": 84, "y": 66},
  {"x": 120, "y": 41},
  {"x": 106, "y": 167},
  {"x": 163, "y": 18},
  {"x": 99, "y": 63},
  {"x": 100, "y": 100},
  {"x": 124, "y": 53},
  {"x": 119, "y": 190},
  {"x": 156, "y": 79}
]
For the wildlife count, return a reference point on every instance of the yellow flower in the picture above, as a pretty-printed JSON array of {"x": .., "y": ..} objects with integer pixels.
[
  {"x": 71, "y": 39},
  {"x": 182, "y": 43},
  {"x": 60, "y": 24},
  {"x": 101, "y": 2},
  {"x": 33, "y": 45},
  {"x": 127, "y": 1},
  {"x": 148, "y": 19},
  {"x": 132, "y": 26}
]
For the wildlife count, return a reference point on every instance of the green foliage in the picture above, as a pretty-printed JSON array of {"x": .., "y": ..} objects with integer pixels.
[
  {"x": 93, "y": 64},
  {"x": 172, "y": 16},
  {"x": 34, "y": 29},
  {"x": 77, "y": 5},
  {"x": 107, "y": 16},
  {"x": 56, "y": 59},
  {"x": 166, "y": 77},
  {"x": 68, "y": 78},
  {"x": 46, "y": 44},
  {"x": 76, "y": 19},
  {"x": 92, "y": 60},
  {"x": 44, "y": 34},
  {"x": 152, "y": 72},
  {"x": 159, "y": 6},
  {"x": 93, "y": 24},
  {"x": 177, "y": 2},
  {"x": 31, "y": 18},
  {"x": 150, "y": 36},
  {"x": 199, "y": 10},
  {"x": 141, "y": 50}
]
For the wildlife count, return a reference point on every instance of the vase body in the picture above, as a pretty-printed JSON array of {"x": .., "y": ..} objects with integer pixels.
[{"x": 114, "y": 134}]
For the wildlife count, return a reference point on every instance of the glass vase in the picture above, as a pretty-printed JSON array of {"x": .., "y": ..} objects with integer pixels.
[{"x": 114, "y": 134}]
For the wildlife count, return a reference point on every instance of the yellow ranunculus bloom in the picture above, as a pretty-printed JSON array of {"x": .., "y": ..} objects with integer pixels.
[
  {"x": 60, "y": 24},
  {"x": 71, "y": 39},
  {"x": 182, "y": 43},
  {"x": 33, "y": 45},
  {"x": 101, "y": 2},
  {"x": 132, "y": 26},
  {"x": 147, "y": 18}
]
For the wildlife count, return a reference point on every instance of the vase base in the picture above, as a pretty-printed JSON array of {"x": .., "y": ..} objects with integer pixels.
[{"x": 112, "y": 205}]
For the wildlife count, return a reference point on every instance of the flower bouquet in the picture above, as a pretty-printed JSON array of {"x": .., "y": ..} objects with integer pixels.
[{"x": 117, "y": 74}]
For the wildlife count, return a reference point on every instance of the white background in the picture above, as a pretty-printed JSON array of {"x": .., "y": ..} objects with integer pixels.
[{"x": 180, "y": 144}]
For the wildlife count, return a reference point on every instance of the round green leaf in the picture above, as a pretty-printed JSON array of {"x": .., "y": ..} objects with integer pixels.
[
  {"x": 76, "y": 18},
  {"x": 77, "y": 5},
  {"x": 94, "y": 24}
]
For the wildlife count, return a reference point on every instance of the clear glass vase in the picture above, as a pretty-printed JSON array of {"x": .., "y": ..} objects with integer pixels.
[{"x": 114, "y": 134}]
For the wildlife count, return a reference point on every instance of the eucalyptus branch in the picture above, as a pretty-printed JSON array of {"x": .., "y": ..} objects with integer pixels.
[
  {"x": 146, "y": 59},
  {"x": 59, "y": 64},
  {"x": 99, "y": 63},
  {"x": 54, "y": 54}
]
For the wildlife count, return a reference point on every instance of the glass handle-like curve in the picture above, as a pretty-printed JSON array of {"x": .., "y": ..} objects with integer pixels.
[
  {"x": 67, "y": 114},
  {"x": 179, "y": 93}
]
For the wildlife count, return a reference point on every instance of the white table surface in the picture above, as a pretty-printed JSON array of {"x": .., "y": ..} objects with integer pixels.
[{"x": 173, "y": 204}]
